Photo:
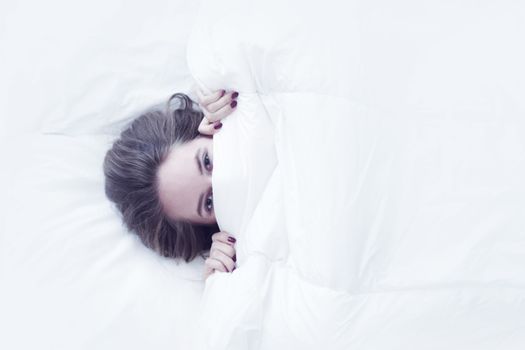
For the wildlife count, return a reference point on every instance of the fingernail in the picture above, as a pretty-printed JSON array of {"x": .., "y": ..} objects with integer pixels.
[
  {"x": 233, "y": 104},
  {"x": 234, "y": 269},
  {"x": 217, "y": 126},
  {"x": 234, "y": 258},
  {"x": 235, "y": 94},
  {"x": 231, "y": 239},
  {"x": 223, "y": 92}
]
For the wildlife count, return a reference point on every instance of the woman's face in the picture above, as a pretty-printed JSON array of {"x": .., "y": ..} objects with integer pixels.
[{"x": 185, "y": 182}]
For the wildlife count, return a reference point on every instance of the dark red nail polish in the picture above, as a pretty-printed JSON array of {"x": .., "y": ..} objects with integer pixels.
[
  {"x": 235, "y": 94},
  {"x": 223, "y": 92},
  {"x": 234, "y": 269},
  {"x": 217, "y": 126},
  {"x": 233, "y": 104},
  {"x": 231, "y": 239},
  {"x": 234, "y": 258}
]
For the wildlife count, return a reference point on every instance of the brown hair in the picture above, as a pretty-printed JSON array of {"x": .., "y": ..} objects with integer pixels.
[{"x": 130, "y": 169}]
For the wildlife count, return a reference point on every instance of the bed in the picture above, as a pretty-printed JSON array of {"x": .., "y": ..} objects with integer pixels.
[{"x": 372, "y": 175}]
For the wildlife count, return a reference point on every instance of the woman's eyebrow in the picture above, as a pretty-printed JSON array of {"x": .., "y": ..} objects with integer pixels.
[
  {"x": 199, "y": 204},
  {"x": 199, "y": 208},
  {"x": 197, "y": 159}
]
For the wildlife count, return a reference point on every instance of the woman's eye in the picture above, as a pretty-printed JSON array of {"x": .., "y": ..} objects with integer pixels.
[
  {"x": 207, "y": 163},
  {"x": 209, "y": 203}
]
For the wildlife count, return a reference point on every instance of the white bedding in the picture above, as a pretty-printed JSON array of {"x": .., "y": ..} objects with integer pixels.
[
  {"x": 416, "y": 242},
  {"x": 389, "y": 212},
  {"x": 72, "y": 74}
]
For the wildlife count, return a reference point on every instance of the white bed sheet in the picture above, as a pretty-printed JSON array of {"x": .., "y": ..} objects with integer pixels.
[{"x": 72, "y": 75}]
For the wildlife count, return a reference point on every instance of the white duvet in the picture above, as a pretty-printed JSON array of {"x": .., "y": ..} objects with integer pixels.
[{"x": 373, "y": 174}]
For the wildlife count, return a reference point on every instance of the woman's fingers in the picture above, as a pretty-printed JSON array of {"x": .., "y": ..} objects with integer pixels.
[
  {"x": 216, "y": 106},
  {"x": 223, "y": 247},
  {"x": 222, "y": 254},
  {"x": 211, "y": 265},
  {"x": 205, "y": 100},
  {"x": 223, "y": 237},
  {"x": 207, "y": 128},
  {"x": 221, "y": 102},
  {"x": 221, "y": 113},
  {"x": 226, "y": 260}
]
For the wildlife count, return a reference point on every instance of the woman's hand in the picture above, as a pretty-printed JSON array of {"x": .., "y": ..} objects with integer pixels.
[
  {"x": 215, "y": 106},
  {"x": 222, "y": 254}
]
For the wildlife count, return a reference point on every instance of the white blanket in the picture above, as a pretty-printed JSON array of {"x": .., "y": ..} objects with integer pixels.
[{"x": 373, "y": 174}]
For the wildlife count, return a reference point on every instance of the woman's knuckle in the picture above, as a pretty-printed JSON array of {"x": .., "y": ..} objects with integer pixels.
[
  {"x": 212, "y": 107},
  {"x": 218, "y": 244},
  {"x": 220, "y": 247}
]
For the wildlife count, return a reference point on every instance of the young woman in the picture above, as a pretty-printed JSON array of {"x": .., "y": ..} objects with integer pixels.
[{"x": 158, "y": 174}]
